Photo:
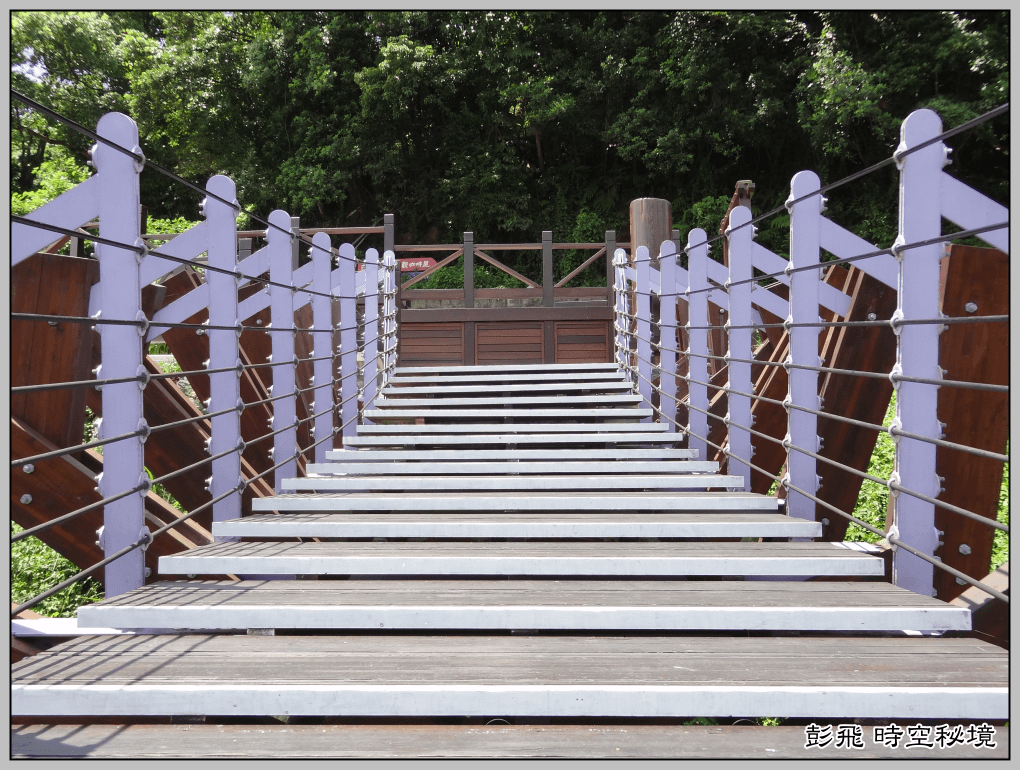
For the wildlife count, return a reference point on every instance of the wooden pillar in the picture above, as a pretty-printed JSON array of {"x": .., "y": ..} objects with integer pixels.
[
  {"x": 651, "y": 223},
  {"x": 469, "y": 269}
]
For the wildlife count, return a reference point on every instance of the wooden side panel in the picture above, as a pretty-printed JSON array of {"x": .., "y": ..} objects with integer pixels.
[
  {"x": 60, "y": 485},
  {"x": 975, "y": 418},
  {"x": 582, "y": 342},
  {"x": 509, "y": 343},
  {"x": 866, "y": 349},
  {"x": 61, "y": 352},
  {"x": 420, "y": 344}
]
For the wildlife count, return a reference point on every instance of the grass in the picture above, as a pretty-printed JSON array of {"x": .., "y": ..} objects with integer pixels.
[{"x": 35, "y": 567}]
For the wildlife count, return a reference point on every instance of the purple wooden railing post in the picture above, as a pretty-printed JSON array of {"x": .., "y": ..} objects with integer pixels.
[
  {"x": 697, "y": 341},
  {"x": 282, "y": 332},
  {"x": 643, "y": 311},
  {"x": 347, "y": 290},
  {"x": 120, "y": 299},
  {"x": 667, "y": 334},
  {"x": 620, "y": 321},
  {"x": 371, "y": 349},
  {"x": 802, "y": 427},
  {"x": 389, "y": 315},
  {"x": 740, "y": 235},
  {"x": 322, "y": 315},
  {"x": 917, "y": 349},
  {"x": 224, "y": 387}
]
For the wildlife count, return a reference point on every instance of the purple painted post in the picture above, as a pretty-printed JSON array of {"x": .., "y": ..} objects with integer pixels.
[
  {"x": 739, "y": 336},
  {"x": 120, "y": 299},
  {"x": 620, "y": 321},
  {"x": 697, "y": 340},
  {"x": 643, "y": 310},
  {"x": 371, "y": 350},
  {"x": 917, "y": 349},
  {"x": 667, "y": 333},
  {"x": 224, "y": 387},
  {"x": 282, "y": 331},
  {"x": 322, "y": 337},
  {"x": 802, "y": 427},
  {"x": 347, "y": 289},
  {"x": 389, "y": 315}
]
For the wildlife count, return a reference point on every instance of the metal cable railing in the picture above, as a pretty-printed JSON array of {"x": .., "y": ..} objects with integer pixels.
[{"x": 387, "y": 318}]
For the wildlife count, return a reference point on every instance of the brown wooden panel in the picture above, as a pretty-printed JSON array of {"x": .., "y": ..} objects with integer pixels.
[
  {"x": 583, "y": 342},
  {"x": 866, "y": 349},
  {"x": 509, "y": 342},
  {"x": 976, "y": 418},
  {"x": 421, "y": 344},
  {"x": 61, "y": 352}
]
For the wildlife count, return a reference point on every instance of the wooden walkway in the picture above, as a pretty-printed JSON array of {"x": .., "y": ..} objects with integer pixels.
[{"x": 520, "y": 543}]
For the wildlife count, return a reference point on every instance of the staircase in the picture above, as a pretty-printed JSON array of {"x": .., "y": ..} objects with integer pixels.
[{"x": 520, "y": 542}]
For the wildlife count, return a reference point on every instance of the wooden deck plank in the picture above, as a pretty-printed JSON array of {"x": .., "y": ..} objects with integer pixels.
[
  {"x": 497, "y": 378},
  {"x": 615, "y": 467},
  {"x": 377, "y": 455},
  {"x": 522, "y": 525},
  {"x": 526, "y": 558},
  {"x": 499, "y": 439},
  {"x": 505, "y": 368},
  {"x": 533, "y": 483},
  {"x": 531, "y": 604},
  {"x": 608, "y": 428},
  {"x": 517, "y": 501},
  {"x": 538, "y": 387},
  {"x": 498, "y": 740},
  {"x": 506, "y": 401},
  {"x": 806, "y": 676},
  {"x": 572, "y": 413}
]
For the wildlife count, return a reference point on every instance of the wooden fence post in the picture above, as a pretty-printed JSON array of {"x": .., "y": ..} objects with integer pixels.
[
  {"x": 667, "y": 334},
  {"x": 802, "y": 430},
  {"x": 740, "y": 235},
  {"x": 697, "y": 341},
  {"x": 322, "y": 323},
  {"x": 347, "y": 289},
  {"x": 224, "y": 387},
  {"x": 120, "y": 299},
  {"x": 642, "y": 309},
  {"x": 917, "y": 349},
  {"x": 282, "y": 333},
  {"x": 370, "y": 352}
]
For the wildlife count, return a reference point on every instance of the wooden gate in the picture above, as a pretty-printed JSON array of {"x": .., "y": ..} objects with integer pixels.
[{"x": 545, "y": 322}]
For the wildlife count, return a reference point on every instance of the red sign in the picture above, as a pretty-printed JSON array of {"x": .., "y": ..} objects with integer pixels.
[{"x": 416, "y": 265}]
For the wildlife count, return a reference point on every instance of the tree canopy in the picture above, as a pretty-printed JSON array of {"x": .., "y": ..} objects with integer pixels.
[{"x": 512, "y": 122}]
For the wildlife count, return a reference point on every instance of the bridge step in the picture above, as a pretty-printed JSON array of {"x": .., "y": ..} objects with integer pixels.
[
  {"x": 404, "y": 371},
  {"x": 510, "y": 455},
  {"x": 423, "y": 468},
  {"x": 507, "y": 438},
  {"x": 518, "y": 501},
  {"x": 524, "y": 427},
  {"x": 520, "y": 525},
  {"x": 530, "y": 604},
  {"x": 533, "y": 483},
  {"x": 521, "y": 414},
  {"x": 513, "y": 402},
  {"x": 500, "y": 378},
  {"x": 813, "y": 677},
  {"x": 525, "y": 558},
  {"x": 483, "y": 585},
  {"x": 565, "y": 387}
]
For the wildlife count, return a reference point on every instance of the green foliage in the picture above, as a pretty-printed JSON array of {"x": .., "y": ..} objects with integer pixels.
[
  {"x": 874, "y": 498},
  {"x": 507, "y": 123},
  {"x": 1000, "y": 545},
  {"x": 35, "y": 567},
  {"x": 52, "y": 177}
]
